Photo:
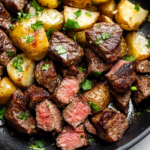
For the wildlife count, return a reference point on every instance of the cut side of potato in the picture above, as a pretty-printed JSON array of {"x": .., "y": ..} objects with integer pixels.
[
  {"x": 24, "y": 78},
  {"x": 7, "y": 87},
  {"x": 106, "y": 19},
  {"x": 95, "y": 2},
  {"x": 123, "y": 48},
  {"x": 107, "y": 8},
  {"x": 128, "y": 17},
  {"x": 85, "y": 21},
  {"x": 137, "y": 46},
  {"x": 49, "y": 3}
]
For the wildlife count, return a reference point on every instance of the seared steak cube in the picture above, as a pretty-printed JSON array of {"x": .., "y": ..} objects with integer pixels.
[
  {"x": 122, "y": 100},
  {"x": 77, "y": 111},
  {"x": 16, "y": 107},
  {"x": 72, "y": 139},
  {"x": 143, "y": 66},
  {"x": 72, "y": 52},
  {"x": 80, "y": 76},
  {"x": 48, "y": 117},
  {"x": 105, "y": 40},
  {"x": 95, "y": 63},
  {"x": 5, "y": 20},
  {"x": 110, "y": 125},
  {"x": 66, "y": 91},
  {"x": 34, "y": 95},
  {"x": 46, "y": 77},
  {"x": 143, "y": 86},
  {"x": 122, "y": 75},
  {"x": 5, "y": 46},
  {"x": 89, "y": 127}
]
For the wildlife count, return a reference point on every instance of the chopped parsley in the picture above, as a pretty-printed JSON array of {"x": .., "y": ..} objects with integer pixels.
[
  {"x": 149, "y": 64},
  {"x": 91, "y": 140},
  {"x": 99, "y": 26},
  {"x": 137, "y": 7},
  {"x": 48, "y": 105},
  {"x": 99, "y": 40},
  {"x": 39, "y": 145},
  {"x": 97, "y": 73},
  {"x": 130, "y": 58},
  {"x": 86, "y": 84},
  {"x": 138, "y": 113},
  {"x": 37, "y": 7},
  {"x": 11, "y": 26},
  {"x": 24, "y": 36},
  {"x": 45, "y": 67},
  {"x": 28, "y": 16},
  {"x": 119, "y": 1},
  {"x": 47, "y": 59},
  {"x": 105, "y": 36},
  {"x": 37, "y": 25},
  {"x": 88, "y": 13},
  {"x": 60, "y": 50},
  {"x": 78, "y": 13},
  {"x": 94, "y": 106},
  {"x": 81, "y": 69},
  {"x": 133, "y": 88},
  {"x": 2, "y": 112},
  {"x": 24, "y": 116},
  {"x": 81, "y": 136},
  {"x": 74, "y": 36},
  {"x": 71, "y": 24},
  {"x": 148, "y": 45},
  {"x": 17, "y": 63},
  {"x": 49, "y": 32},
  {"x": 10, "y": 53},
  {"x": 147, "y": 110},
  {"x": 29, "y": 39},
  {"x": 148, "y": 17}
]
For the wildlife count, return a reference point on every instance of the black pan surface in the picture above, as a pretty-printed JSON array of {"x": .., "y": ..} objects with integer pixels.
[{"x": 139, "y": 125}]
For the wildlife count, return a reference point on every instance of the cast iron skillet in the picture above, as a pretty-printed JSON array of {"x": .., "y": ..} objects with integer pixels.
[{"x": 139, "y": 126}]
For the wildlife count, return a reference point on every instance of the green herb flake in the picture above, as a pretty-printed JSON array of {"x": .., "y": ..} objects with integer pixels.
[
  {"x": 91, "y": 140},
  {"x": 2, "y": 112},
  {"x": 28, "y": 16},
  {"x": 86, "y": 85},
  {"x": 17, "y": 61},
  {"x": 138, "y": 113},
  {"x": 45, "y": 67},
  {"x": 137, "y": 7},
  {"x": 106, "y": 36},
  {"x": 130, "y": 58},
  {"x": 47, "y": 59},
  {"x": 94, "y": 106},
  {"x": 91, "y": 2},
  {"x": 49, "y": 33},
  {"x": 74, "y": 36},
  {"x": 149, "y": 64},
  {"x": 48, "y": 105},
  {"x": 148, "y": 45},
  {"x": 119, "y": 1},
  {"x": 30, "y": 39},
  {"x": 39, "y": 145},
  {"x": 81, "y": 136},
  {"x": 99, "y": 42},
  {"x": 25, "y": 36},
  {"x": 38, "y": 25},
  {"x": 78, "y": 13},
  {"x": 99, "y": 26},
  {"x": 133, "y": 88},
  {"x": 60, "y": 50},
  {"x": 10, "y": 53},
  {"x": 71, "y": 25},
  {"x": 147, "y": 110},
  {"x": 81, "y": 69},
  {"x": 11, "y": 26},
  {"x": 97, "y": 73},
  {"x": 148, "y": 17},
  {"x": 88, "y": 13},
  {"x": 37, "y": 7},
  {"x": 24, "y": 116}
]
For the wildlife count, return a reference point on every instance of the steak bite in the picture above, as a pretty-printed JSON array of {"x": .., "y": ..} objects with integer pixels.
[
  {"x": 48, "y": 117},
  {"x": 72, "y": 139},
  {"x": 105, "y": 40},
  {"x": 95, "y": 63},
  {"x": 46, "y": 75},
  {"x": 5, "y": 46},
  {"x": 143, "y": 86},
  {"x": 34, "y": 95},
  {"x": 122, "y": 75},
  {"x": 66, "y": 91},
  {"x": 77, "y": 111},
  {"x": 65, "y": 50},
  {"x": 80, "y": 76},
  {"x": 5, "y": 19},
  {"x": 15, "y": 108},
  {"x": 122, "y": 100},
  {"x": 143, "y": 66},
  {"x": 110, "y": 125}
]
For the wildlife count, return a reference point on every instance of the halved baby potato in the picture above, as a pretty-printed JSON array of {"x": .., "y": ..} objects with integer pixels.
[
  {"x": 85, "y": 21},
  {"x": 7, "y": 87},
  {"x": 99, "y": 1},
  {"x": 128, "y": 17},
  {"x": 123, "y": 48},
  {"x": 24, "y": 77},
  {"x": 137, "y": 46},
  {"x": 92, "y": 8},
  {"x": 106, "y": 19},
  {"x": 49, "y": 3}
]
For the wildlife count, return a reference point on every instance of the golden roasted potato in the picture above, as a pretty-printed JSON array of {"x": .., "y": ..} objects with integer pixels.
[
  {"x": 7, "y": 87},
  {"x": 49, "y": 3},
  {"x": 23, "y": 74},
  {"x": 128, "y": 17},
  {"x": 37, "y": 48},
  {"x": 123, "y": 48},
  {"x": 106, "y": 19},
  {"x": 107, "y": 8},
  {"x": 85, "y": 21},
  {"x": 92, "y": 8},
  {"x": 99, "y": 95},
  {"x": 77, "y": 3},
  {"x": 95, "y": 2},
  {"x": 81, "y": 38},
  {"x": 136, "y": 44}
]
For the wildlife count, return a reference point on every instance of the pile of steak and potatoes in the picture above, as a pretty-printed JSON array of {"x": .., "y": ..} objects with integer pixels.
[{"x": 66, "y": 61}]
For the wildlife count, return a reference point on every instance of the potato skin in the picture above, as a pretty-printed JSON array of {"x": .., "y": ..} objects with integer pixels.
[
  {"x": 95, "y": 2},
  {"x": 136, "y": 46},
  {"x": 128, "y": 17},
  {"x": 107, "y": 8},
  {"x": 77, "y": 3},
  {"x": 99, "y": 95},
  {"x": 49, "y": 3},
  {"x": 7, "y": 87},
  {"x": 123, "y": 48},
  {"x": 25, "y": 78}
]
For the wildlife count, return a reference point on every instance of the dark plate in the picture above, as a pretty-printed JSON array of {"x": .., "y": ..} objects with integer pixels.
[{"x": 139, "y": 126}]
